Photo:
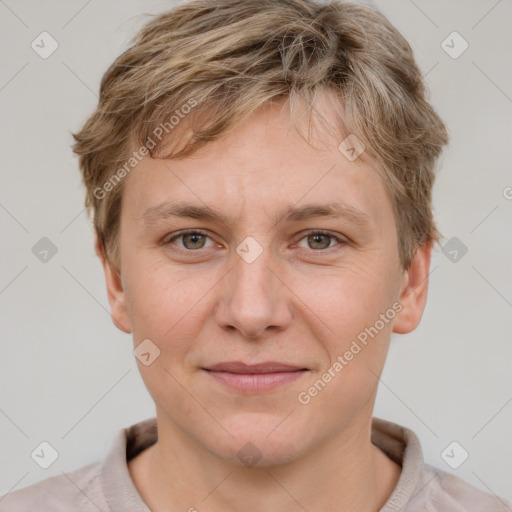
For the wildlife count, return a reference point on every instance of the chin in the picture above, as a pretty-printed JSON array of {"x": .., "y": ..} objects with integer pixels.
[{"x": 261, "y": 441}]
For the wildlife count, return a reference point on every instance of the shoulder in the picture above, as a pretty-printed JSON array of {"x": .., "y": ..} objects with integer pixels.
[
  {"x": 451, "y": 493},
  {"x": 423, "y": 487},
  {"x": 78, "y": 490}
]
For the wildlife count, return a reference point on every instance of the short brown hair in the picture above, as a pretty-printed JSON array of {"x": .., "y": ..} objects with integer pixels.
[{"x": 214, "y": 62}]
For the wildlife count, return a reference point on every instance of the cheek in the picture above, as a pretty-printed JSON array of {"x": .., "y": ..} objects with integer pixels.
[
  {"x": 164, "y": 301},
  {"x": 166, "y": 307},
  {"x": 354, "y": 354},
  {"x": 351, "y": 304},
  {"x": 351, "y": 297}
]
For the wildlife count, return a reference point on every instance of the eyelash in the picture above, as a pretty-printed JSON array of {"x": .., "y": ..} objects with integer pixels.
[{"x": 204, "y": 233}]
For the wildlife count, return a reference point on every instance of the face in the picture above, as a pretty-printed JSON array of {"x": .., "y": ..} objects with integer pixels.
[{"x": 266, "y": 277}]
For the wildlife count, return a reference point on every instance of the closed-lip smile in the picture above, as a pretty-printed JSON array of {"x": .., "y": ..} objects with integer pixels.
[{"x": 254, "y": 378}]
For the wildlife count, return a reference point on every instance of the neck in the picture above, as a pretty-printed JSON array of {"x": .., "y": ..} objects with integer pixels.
[{"x": 345, "y": 472}]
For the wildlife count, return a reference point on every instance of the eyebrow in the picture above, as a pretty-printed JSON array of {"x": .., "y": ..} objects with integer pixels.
[{"x": 168, "y": 210}]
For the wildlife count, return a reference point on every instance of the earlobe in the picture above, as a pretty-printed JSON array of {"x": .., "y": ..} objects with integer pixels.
[
  {"x": 413, "y": 295},
  {"x": 115, "y": 291}
]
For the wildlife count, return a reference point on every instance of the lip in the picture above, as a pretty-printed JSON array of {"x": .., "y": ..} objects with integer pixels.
[
  {"x": 266, "y": 367},
  {"x": 254, "y": 378}
]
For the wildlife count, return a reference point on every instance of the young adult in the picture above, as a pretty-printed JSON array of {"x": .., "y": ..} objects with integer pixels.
[{"x": 260, "y": 175}]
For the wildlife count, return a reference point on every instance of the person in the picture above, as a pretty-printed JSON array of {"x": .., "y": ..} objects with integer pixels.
[{"x": 260, "y": 176}]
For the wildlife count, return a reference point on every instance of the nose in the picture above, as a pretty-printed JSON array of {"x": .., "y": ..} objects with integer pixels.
[{"x": 253, "y": 299}]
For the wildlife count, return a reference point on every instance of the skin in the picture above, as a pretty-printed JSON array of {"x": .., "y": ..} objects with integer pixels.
[{"x": 302, "y": 302}]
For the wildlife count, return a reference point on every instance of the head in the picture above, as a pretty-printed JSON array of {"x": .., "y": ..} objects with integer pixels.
[{"x": 237, "y": 119}]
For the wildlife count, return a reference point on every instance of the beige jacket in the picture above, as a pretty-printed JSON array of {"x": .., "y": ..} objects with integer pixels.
[{"x": 106, "y": 485}]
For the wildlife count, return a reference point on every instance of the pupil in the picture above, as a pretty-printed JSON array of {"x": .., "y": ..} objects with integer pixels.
[
  {"x": 194, "y": 238},
  {"x": 316, "y": 239}
]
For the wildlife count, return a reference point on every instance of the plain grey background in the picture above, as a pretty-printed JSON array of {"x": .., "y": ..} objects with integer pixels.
[{"x": 68, "y": 376}]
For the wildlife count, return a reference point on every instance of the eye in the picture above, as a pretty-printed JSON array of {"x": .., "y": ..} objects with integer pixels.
[
  {"x": 318, "y": 240},
  {"x": 191, "y": 240}
]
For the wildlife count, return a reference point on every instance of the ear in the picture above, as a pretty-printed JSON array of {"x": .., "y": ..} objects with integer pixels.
[
  {"x": 413, "y": 294},
  {"x": 115, "y": 292}
]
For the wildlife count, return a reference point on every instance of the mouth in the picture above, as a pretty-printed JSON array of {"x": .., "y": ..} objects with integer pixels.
[{"x": 254, "y": 378}]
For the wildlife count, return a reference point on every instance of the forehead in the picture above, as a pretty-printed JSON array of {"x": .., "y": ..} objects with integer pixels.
[{"x": 259, "y": 168}]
